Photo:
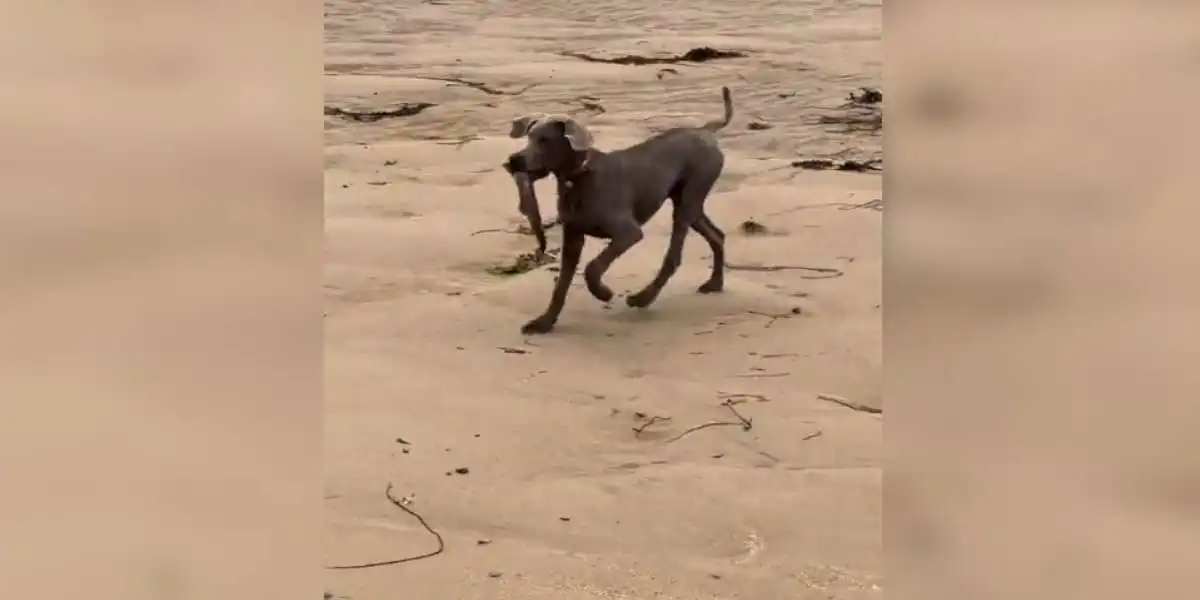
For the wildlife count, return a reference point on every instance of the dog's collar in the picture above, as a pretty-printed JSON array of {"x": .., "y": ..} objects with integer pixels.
[{"x": 568, "y": 180}]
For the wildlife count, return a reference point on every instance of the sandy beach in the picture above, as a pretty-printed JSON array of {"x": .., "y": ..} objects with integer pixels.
[{"x": 561, "y": 466}]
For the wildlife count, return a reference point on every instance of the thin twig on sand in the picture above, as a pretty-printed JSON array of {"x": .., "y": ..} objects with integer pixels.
[
  {"x": 739, "y": 397},
  {"x": 441, "y": 544},
  {"x": 760, "y": 375},
  {"x": 520, "y": 230},
  {"x": 775, "y": 317},
  {"x": 858, "y": 406},
  {"x": 876, "y": 204},
  {"x": 826, "y": 272},
  {"x": 650, "y": 421},
  {"x": 460, "y": 142},
  {"x": 743, "y": 422},
  {"x": 477, "y": 85},
  {"x": 587, "y": 104}
]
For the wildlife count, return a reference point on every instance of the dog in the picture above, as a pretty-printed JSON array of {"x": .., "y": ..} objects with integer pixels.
[{"x": 611, "y": 195}]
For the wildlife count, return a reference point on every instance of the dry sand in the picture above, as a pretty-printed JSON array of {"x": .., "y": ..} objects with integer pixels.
[{"x": 575, "y": 504}]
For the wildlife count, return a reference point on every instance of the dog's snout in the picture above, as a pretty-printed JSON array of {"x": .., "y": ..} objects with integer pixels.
[{"x": 515, "y": 163}]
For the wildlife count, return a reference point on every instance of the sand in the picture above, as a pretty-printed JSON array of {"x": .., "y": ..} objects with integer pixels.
[{"x": 426, "y": 371}]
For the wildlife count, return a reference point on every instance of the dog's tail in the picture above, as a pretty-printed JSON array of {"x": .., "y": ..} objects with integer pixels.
[{"x": 719, "y": 124}]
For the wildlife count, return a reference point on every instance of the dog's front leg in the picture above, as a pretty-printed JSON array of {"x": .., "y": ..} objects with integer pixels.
[{"x": 572, "y": 249}]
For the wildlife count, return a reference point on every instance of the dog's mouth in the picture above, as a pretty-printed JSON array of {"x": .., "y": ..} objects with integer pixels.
[{"x": 534, "y": 174}]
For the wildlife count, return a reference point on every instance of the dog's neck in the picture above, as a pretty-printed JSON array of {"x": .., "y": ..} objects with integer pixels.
[{"x": 567, "y": 177}]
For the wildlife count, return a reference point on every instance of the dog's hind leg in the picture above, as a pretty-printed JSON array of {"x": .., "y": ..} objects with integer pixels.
[
  {"x": 688, "y": 209},
  {"x": 716, "y": 242},
  {"x": 625, "y": 234},
  {"x": 671, "y": 261}
]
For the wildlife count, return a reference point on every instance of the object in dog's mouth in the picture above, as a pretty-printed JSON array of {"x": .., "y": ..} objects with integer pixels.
[{"x": 528, "y": 205}]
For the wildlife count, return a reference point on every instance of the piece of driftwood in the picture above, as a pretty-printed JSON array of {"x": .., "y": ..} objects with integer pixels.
[
  {"x": 527, "y": 204},
  {"x": 407, "y": 109},
  {"x": 695, "y": 55}
]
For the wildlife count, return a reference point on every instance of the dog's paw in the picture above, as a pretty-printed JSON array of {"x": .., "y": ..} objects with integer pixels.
[
  {"x": 710, "y": 287},
  {"x": 538, "y": 326},
  {"x": 601, "y": 292},
  {"x": 641, "y": 299}
]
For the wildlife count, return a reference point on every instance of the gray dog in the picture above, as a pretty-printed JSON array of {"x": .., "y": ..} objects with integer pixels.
[{"x": 610, "y": 195}]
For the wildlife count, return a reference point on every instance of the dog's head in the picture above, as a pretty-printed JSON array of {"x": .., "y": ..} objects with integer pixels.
[{"x": 553, "y": 143}]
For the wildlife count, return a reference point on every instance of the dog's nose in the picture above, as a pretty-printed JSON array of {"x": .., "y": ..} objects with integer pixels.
[{"x": 515, "y": 164}]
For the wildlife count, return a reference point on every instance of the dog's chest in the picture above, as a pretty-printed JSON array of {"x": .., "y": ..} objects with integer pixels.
[{"x": 578, "y": 212}]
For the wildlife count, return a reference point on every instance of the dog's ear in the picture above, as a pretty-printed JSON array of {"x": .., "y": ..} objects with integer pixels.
[
  {"x": 577, "y": 135},
  {"x": 522, "y": 125}
]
